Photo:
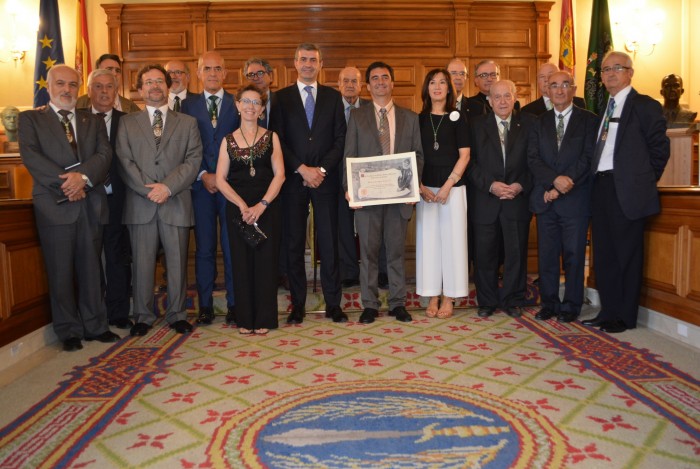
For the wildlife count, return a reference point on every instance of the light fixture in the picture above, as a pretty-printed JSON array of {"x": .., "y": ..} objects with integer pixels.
[
  {"x": 18, "y": 32},
  {"x": 640, "y": 28}
]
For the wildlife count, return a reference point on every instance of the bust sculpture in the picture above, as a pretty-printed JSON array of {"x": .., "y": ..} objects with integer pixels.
[
  {"x": 9, "y": 122},
  {"x": 672, "y": 90}
]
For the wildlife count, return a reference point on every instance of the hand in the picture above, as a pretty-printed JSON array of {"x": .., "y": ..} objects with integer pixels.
[
  {"x": 73, "y": 185},
  {"x": 563, "y": 184},
  {"x": 426, "y": 194},
  {"x": 442, "y": 195},
  {"x": 159, "y": 193},
  {"x": 551, "y": 196},
  {"x": 209, "y": 181},
  {"x": 252, "y": 214},
  {"x": 78, "y": 196},
  {"x": 313, "y": 176},
  {"x": 502, "y": 190}
]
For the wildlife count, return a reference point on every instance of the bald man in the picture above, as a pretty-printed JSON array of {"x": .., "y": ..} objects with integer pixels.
[
  {"x": 180, "y": 77},
  {"x": 543, "y": 103}
]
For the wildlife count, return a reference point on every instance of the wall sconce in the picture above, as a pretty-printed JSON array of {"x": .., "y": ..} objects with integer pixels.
[
  {"x": 19, "y": 27},
  {"x": 640, "y": 28}
]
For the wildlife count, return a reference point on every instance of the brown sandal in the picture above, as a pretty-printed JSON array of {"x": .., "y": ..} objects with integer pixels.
[
  {"x": 432, "y": 310},
  {"x": 445, "y": 311}
]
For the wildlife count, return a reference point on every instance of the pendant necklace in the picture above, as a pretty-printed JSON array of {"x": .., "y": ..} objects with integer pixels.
[
  {"x": 250, "y": 148},
  {"x": 436, "y": 145}
]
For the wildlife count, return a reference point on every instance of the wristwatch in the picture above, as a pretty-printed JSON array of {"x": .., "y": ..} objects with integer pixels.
[
  {"x": 264, "y": 202},
  {"x": 86, "y": 180}
]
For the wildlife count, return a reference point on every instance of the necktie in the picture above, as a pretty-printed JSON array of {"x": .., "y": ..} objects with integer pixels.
[
  {"x": 176, "y": 104},
  {"x": 548, "y": 104},
  {"x": 347, "y": 113},
  {"x": 213, "y": 111},
  {"x": 384, "y": 137},
  {"x": 504, "y": 139},
  {"x": 604, "y": 133},
  {"x": 68, "y": 128},
  {"x": 108, "y": 180},
  {"x": 560, "y": 129},
  {"x": 157, "y": 125},
  {"x": 309, "y": 104},
  {"x": 459, "y": 105}
]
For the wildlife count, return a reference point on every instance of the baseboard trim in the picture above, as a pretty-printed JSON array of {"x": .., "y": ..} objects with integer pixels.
[{"x": 26, "y": 347}]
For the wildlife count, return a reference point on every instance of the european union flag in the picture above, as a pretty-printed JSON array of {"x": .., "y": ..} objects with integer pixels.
[{"x": 49, "y": 49}]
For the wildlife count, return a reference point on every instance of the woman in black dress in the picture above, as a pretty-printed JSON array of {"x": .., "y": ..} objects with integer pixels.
[{"x": 250, "y": 173}]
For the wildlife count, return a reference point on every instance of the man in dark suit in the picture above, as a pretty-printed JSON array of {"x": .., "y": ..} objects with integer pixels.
[
  {"x": 500, "y": 183},
  {"x": 160, "y": 153},
  {"x": 458, "y": 75},
  {"x": 630, "y": 157},
  {"x": 113, "y": 63},
  {"x": 311, "y": 127},
  {"x": 259, "y": 72},
  {"x": 543, "y": 103},
  {"x": 68, "y": 155},
  {"x": 102, "y": 90},
  {"x": 179, "y": 92},
  {"x": 486, "y": 73},
  {"x": 559, "y": 156},
  {"x": 399, "y": 133},
  {"x": 216, "y": 117}
]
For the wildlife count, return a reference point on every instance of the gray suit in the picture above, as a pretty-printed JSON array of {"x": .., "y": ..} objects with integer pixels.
[
  {"x": 382, "y": 221},
  {"x": 70, "y": 232},
  {"x": 175, "y": 163}
]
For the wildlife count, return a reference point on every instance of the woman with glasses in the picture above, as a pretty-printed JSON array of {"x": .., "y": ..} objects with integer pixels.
[
  {"x": 250, "y": 173},
  {"x": 441, "y": 230}
]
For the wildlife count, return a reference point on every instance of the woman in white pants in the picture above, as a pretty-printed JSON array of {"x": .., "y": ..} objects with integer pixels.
[{"x": 441, "y": 233}]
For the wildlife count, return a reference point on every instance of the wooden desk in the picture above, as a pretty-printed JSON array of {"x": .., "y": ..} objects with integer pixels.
[{"x": 15, "y": 180}]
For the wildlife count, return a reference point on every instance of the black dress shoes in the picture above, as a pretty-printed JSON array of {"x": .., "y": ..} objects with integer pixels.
[
  {"x": 485, "y": 311},
  {"x": 122, "y": 323},
  {"x": 544, "y": 314},
  {"x": 106, "y": 337},
  {"x": 206, "y": 315},
  {"x": 350, "y": 282},
  {"x": 296, "y": 316},
  {"x": 567, "y": 316},
  {"x": 368, "y": 315},
  {"x": 72, "y": 344},
  {"x": 337, "y": 314},
  {"x": 594, "y": 322},
  {"x": 139, "y": 329},
  {"x": 401, "y": 314},
  {"x": 230, "y": 316},
  {"x": 181, "y": 326},
  {"x": 613, "y": 327},
  {"x": 514, "y": 311},
  {"x": 383, "y": 281}
]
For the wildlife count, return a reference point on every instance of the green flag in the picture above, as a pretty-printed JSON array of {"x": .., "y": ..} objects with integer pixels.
[{"x": 599, "y": 42}]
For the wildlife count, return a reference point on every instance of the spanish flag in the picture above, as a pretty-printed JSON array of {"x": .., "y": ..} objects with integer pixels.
[
  {"x": 567, "y": 55},
  {"x": 83, "y": 62}
]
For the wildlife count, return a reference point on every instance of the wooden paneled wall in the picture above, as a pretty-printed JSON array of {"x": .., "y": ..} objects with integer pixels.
[{"x": 413, "y": 37}]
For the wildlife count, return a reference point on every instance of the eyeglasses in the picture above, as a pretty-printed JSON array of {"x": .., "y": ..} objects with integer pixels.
[
  {"x": 253, "y": 75},
  {"x": 485, "y": 75},
  {"x": 254, "y": 102},
  {"x": 158, "y": 81},
  {"x": 459, "y": 74},
  {"x": 564, "y": 86},
  {"x": 614, "y": 68},
  {"x": 177, "y": 73}
]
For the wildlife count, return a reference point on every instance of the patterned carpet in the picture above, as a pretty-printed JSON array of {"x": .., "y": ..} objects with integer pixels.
[{"x": 464, "y": 392}]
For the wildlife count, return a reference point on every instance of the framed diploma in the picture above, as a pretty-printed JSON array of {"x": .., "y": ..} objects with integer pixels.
[{"x": 383, "y": 179}]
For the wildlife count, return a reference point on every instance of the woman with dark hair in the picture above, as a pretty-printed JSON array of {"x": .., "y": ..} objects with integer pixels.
[
  {"x": 250, "y": 173},
  {"x": 441, "y": 229}
]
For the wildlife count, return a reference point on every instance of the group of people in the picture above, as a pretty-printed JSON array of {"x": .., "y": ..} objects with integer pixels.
[{"x": 244, "y": 169}]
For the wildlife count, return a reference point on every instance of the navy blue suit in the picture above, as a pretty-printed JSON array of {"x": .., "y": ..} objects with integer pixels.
[
  {"x": 319, "y": 146},
  {"x": 562, "y": 225},
  {"x": 622, "y": 200},
  {"x": 207, "y": 207},
  {"x": 492, "y": 216}
]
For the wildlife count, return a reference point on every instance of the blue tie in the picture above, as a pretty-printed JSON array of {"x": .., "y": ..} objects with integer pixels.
[{"x": 309, "y": 104}]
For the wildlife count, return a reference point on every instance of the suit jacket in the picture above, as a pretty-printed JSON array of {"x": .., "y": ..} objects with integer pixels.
[
  {"x": 211, "y": 137},
  {"x": 572, "y": 159},
  {"x": 486, "y": 166},
  {"x": 538, "y": 107},
  {"x": 116, "y": 200},
  {"x": 175, "y": 163},
  {"x": 272, "y": 99},
  {"x": 319, "y": 146},
  {"x": 362, "y": 140},
  {"x": 127, "y": 105},
  {"x": 46, "y": 153},
  {"x": 641, "y": 152}
]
